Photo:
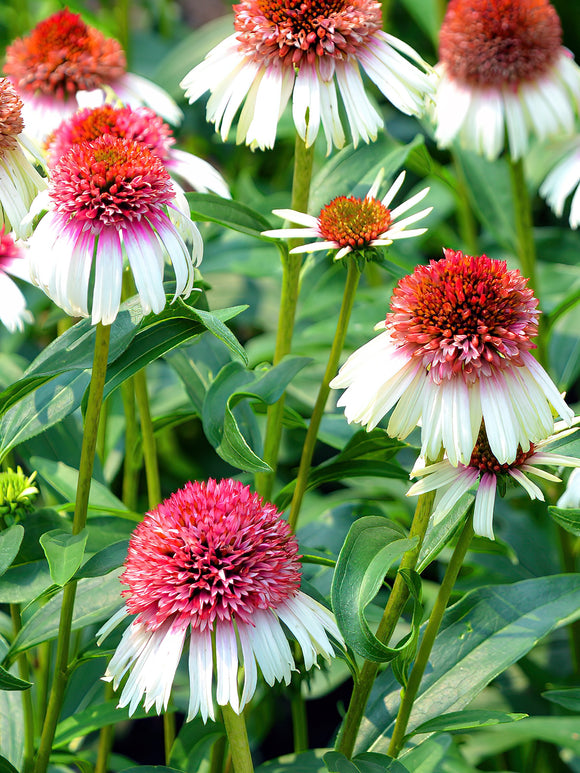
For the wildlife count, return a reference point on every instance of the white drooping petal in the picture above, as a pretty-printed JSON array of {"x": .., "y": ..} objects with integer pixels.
[
  {"x": 200, "y": 675},
  {"x": 484, "y": 502},
  {"x": 226, "y": 660}
]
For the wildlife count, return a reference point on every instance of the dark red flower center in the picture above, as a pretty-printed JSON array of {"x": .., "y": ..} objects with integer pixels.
[
  {"x": 499, "y": 42},
  {"x": 296, "y": 31},
  {"x": 483, "y": 458},
  {"x": 352, "y": 222},
  {"x": 62, "y": 55},
  {"x": 212, "y": 551},
  {"x": 464, "y": 315},
  {"x": 11, "y": 124},
  {"x": 110, "y": 181}
]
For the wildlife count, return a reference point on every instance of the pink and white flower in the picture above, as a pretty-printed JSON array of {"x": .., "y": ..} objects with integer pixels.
[
  {"x": 60, "y": 60},
  {"x": 484, "y": 470},
  {"x": 349, "y": 223},
  {"x": 455, "y": 349},
  {"x": 108, "y": 200},
  {"x": 503, "y": 73},
  {"x": 13, "y": 311},
  {"x": 284, "y": 48},
  {"x": 218, "y": 563}
]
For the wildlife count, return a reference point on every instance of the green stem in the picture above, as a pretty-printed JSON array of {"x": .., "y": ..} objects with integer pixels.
[
  {"x": 218, "y": 755},
  {"x": 106, "y": 738},
  {"x": 299, "y": 718},
  {"x": 397, "y": 600},
  {"x": 148, "y": 439},
  {"x": 386, "y": 10},
  {"x": 291, "y": 265},
  {"x": 27, "y": 708},
  {"x": 238, "y": 737},
  {"x": 169, "y": 733},
  {"x": 131, "y": 464},
  {"x": 410, "y": 693},
  {"x": 88, "y": 447},
  {"x": 465, "y": 218},
  {"x": 352, "y": 278}
]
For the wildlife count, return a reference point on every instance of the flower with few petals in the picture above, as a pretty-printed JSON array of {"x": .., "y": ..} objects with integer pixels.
[
  {"x": 19, "y": 180},
  {"x": 564, "y": 179},
  {"x": 218, "y": 563},
  {"x": 503, "y": 73},
  {"x": 111, "y": 199},
  {"x": 350, "y": 224},
  {"x": 455, "y": 349},
  {"x": 13, "y": 311},
  {"x": 484, "y": 471},
  {"x": 141, "y": 125},
  {"x": 305, "y": 49},
  {"x": 61, "y": 59}
]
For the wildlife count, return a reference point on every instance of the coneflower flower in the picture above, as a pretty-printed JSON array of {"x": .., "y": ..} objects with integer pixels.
[
  {"x": 19, "y": 180},
  {"x": 63, "y": 56},
  {"x": 13, "y": 311},
  {"x": 455, "y": 349},
  {"x": 142, "y": 125},
  {"x": 306, "y": 49},
  {"x": 218, "y": 563},
  {"x": 484, "y": 471},
  {"x": 503, "y": 74},
  {"x": 349, "y": 223},
  {"x": 109, "y": 199}
]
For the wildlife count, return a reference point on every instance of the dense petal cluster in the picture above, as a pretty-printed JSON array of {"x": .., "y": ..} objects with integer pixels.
[
  {"x": 455, "y": 349},
  {"x": 503, "y": 72},
  {"x": 484, "y": 470},
  {"x": 218, "y": 562},
  {"x": 62, "y": 57},
  {"x": 109, "y": 198},
  {"x": 350, "y": 224},
  {"x": 284, "y": 48}
]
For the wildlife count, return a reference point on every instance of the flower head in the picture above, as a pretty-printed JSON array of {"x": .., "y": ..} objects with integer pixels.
[
  {"x": 107, "y": 198},
  {"x": 306, "y": 49},
  {"x": 455, "y": 348},
  {"x": 141, "y": 125},
  {"x": 63, "y": 56},
  {"x": 218, "y": 562},
  {"x": 484, "y": 470},
  {"x": 13, "y": 311},
  {"x": 350, "y": 224},
  {"x": 503, "y": 72}
]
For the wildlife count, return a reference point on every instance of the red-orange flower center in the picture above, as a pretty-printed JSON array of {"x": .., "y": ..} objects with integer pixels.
[
  {"x": 109, "y": 182},
  {"x": 11, "y": 124},
  {"x": 494, "y": 43},
  {"x": 296, "y": 31},
  {"x": 464, "y": 315},
  {"x": 352, "y": 222},
  {"x": 483, "y": 458},
  {"x": 62, "y": 55},
  {"x": 212, "y": 551}
]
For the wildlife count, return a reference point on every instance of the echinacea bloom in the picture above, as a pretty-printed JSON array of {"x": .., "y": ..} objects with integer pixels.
[
  {"x": 284, "y": 48},
  {"x": 109, "y": 199},
  {"x": 503, "y": 72},
  {"x": 62, "y": 57},
  {"x": 350, "y": 223},
  {"x": 142, "y": 125},
  {"x": 19, "y": 180},
  {"x": 562, "y": 180},
  {"x": 13, "y": 311},
  {"x": 484, "y": 470},
  {"x": 215, "y": 561},
  {"x": 455, "y": 349}
]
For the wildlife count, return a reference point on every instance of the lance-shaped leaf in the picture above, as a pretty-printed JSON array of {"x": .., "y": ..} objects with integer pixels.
[
  {"x": 64, "y": 553},
  {"x": 10, "y": 682},
  {"x": 10, "y": 541}
]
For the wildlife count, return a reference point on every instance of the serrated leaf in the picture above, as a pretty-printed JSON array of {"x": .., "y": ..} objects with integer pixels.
[
  {"x": 64, "y": 553},
  {"x": 372, "y": 545},
  {"x": 10, "y": 541},
  {"x": 10, "y": 682}
]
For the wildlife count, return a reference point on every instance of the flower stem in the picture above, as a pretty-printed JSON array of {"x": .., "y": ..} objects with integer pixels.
[
  {"x": 238, "y": 738},
  {"x": 106, "y": 738},
  {"x": 299, "y": 719},
  {"x": 397, "y": 600},
  {"x": 352, "y": 278},
  {"x": 27, "y": 708},
  {"x": 88, "y": 447},
  {"x": 131, "y": 464},
  {"x": 291, "y": 265},
  {"x": 410, "y": 693},
  {"x": 148, "y": 439}
]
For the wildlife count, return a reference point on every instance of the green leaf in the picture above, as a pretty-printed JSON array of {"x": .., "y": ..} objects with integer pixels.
[
  {"x": 363, "y": 763},
  {"x": 438, "y": 535},
  {"x": 10, "y": 682},
  {"x": 94, "y": 718},
  {"x": 560, "y": 731},
  {"x": 64, "y": 553},
  {"x": 306, "y": 762},
  {"x": 483, "y": 634},
  {"x": 5, "y": 766},
  {"x": 20, "y": 584},
  {"x": 428, "y": 756},
  {"x": 567, "y": 518},
  {"x": 568, "y": 698},
  {"x": 372, "y": 545},
  {"x": 109, "y": 558},
  {"x": 10, "y": 541},
  {"x": 194, "y": 743},
  {"x": 207, "y": 207},
  {"x": 456, "y": 721}
]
